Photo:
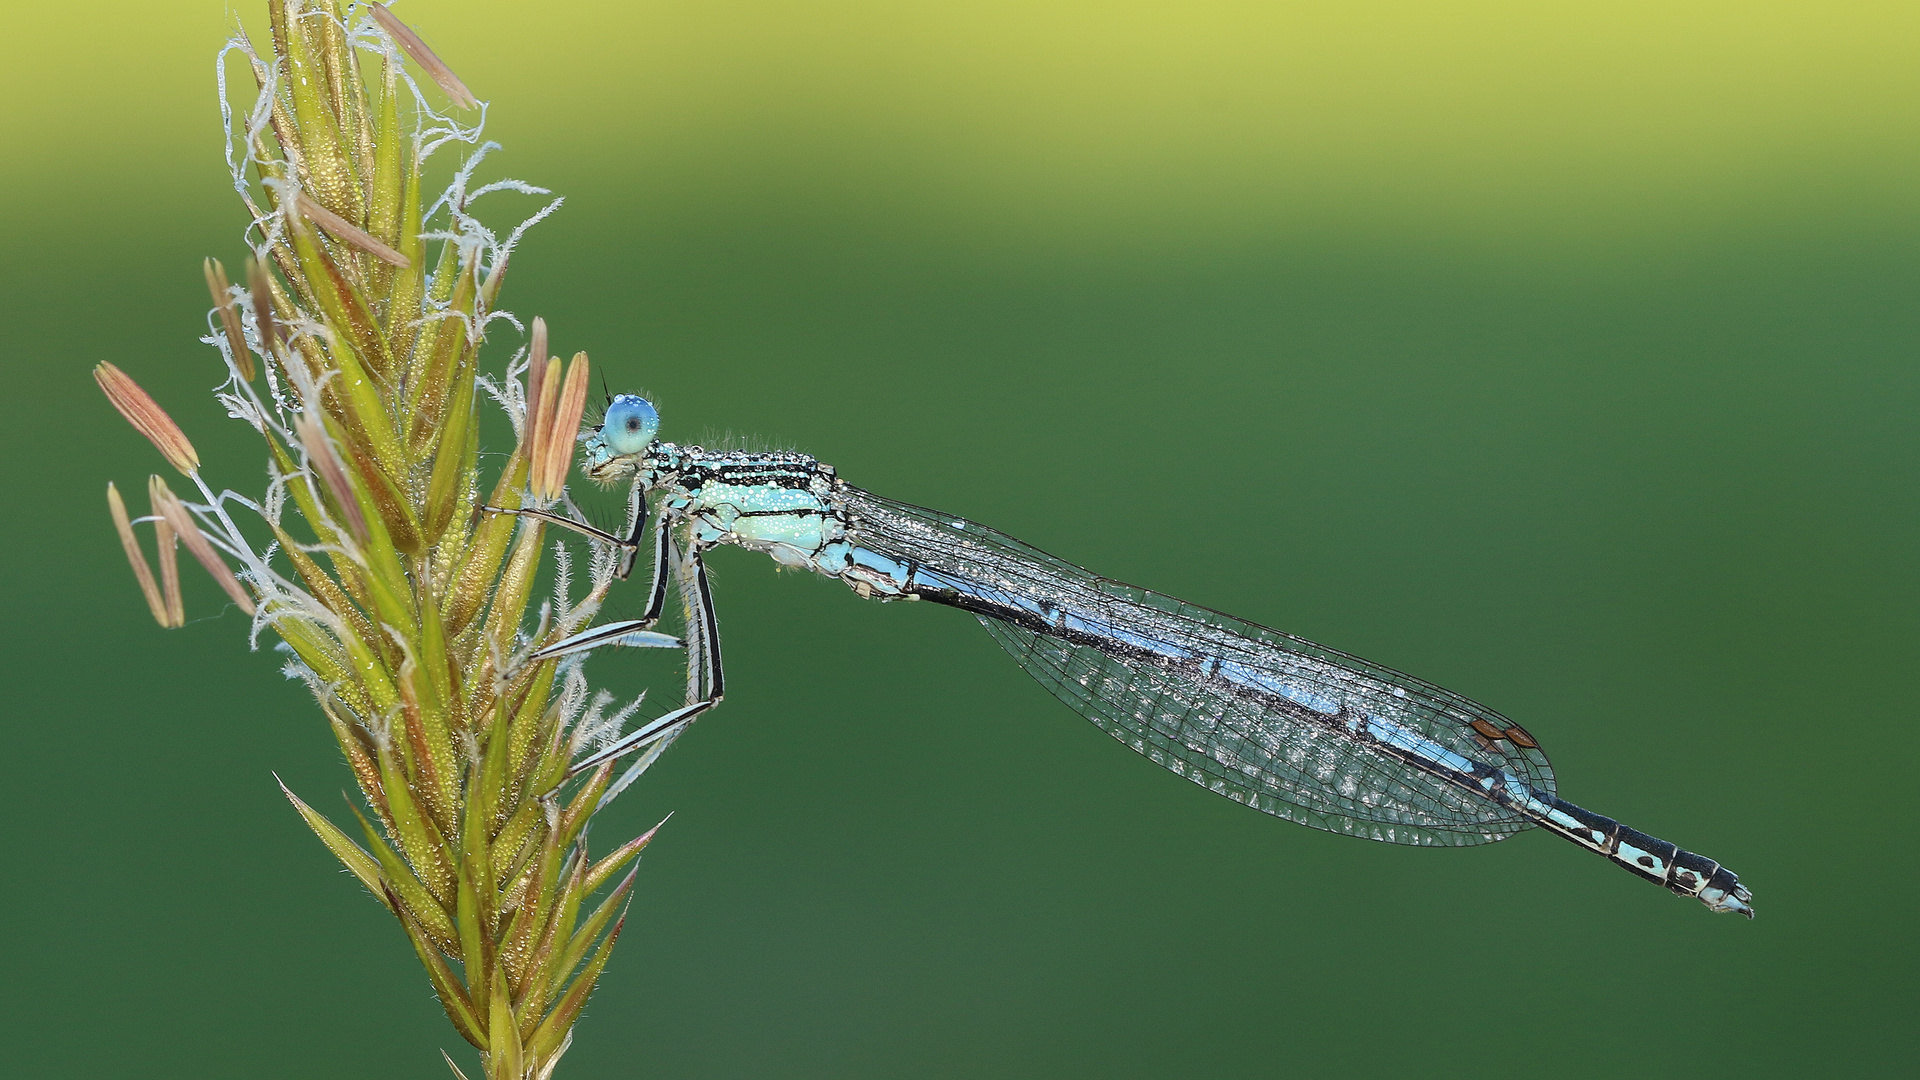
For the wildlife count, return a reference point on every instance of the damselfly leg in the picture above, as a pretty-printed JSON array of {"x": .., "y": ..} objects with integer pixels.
[
  {"x": 630, "y": 633},
  {"x": 702, "y": 640},
  {"x": 707, "y": 684}
]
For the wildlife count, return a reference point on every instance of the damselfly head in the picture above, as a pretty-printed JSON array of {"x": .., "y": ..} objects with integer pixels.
[
  {"x": 630, "y": 424},
  {"x": 624, "y": 435}
]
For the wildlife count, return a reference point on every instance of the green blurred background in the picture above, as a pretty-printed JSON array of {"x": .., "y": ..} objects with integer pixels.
[{"x": 1564, "y": 355}]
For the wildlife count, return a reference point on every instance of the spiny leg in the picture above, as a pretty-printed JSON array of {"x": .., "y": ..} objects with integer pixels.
[
  {"x": 580, "y": 527},
  {"x": 704, "y": 664},
  {"x": 632, "y": 633},
  {"x": 628, "y": 633},
  {"x": 703, "y": 629},
  {"x": 656, "y": 592},
  {"x": 629, "y": 546}
]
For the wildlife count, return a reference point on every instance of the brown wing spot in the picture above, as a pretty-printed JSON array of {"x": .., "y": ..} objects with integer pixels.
[
  {"x": 1518, "y": 736},
  {"x": 1485, "y": 743},
  {"x": 1487, "y": 730}
]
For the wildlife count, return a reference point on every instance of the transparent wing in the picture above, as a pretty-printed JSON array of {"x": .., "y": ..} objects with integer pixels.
[{"x": 1176, "y": 682}]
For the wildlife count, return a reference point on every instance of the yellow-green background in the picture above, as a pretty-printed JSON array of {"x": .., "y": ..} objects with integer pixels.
[{"x": 1564, "y": 355}]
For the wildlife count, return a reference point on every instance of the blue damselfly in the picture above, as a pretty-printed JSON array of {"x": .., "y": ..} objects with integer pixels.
[{"x": 1279, "y": 723}]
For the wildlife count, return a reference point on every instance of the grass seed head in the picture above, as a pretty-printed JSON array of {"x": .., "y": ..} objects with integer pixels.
[{"x": 409, "y": 611}]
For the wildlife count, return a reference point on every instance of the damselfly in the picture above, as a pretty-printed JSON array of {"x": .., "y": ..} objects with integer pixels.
[{"x": 1281, "y": 724}]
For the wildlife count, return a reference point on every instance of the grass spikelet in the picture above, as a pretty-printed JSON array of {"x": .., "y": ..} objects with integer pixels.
[{"x": 355, "y": 351}]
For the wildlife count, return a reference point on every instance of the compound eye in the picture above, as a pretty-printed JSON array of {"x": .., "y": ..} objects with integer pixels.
[{"x": 630, "y": 425}]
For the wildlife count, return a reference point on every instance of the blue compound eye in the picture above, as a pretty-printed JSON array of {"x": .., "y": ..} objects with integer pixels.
[{"x": 630, "y": 425}]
